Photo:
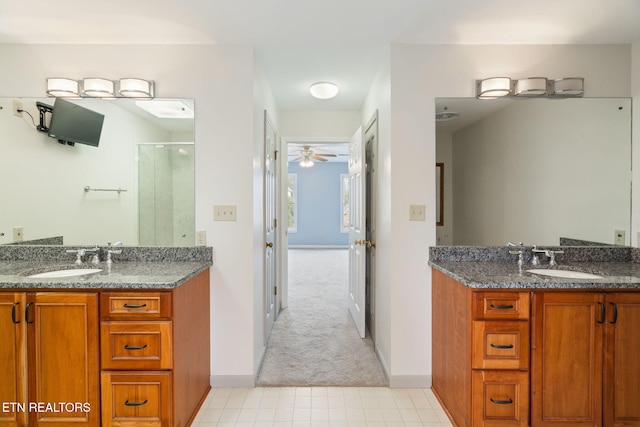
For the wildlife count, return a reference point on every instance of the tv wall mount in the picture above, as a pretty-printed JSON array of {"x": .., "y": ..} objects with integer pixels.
[{"x": 43, "y": 109}]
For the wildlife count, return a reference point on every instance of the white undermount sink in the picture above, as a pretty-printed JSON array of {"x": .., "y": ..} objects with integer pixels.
[
  {"x": 568, "y": 274},
  {"x": 65, "y": 273}
]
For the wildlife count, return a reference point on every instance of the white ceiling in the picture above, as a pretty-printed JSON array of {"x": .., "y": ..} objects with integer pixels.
[{"x": 300, "y": 42}]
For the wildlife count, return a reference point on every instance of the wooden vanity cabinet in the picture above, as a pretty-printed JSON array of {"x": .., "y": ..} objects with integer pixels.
[
  {"x": 481, "y": 352},
  {"x": 155, "y": 355},
  {"x": 49, "y": 356},
  {"x": 586, "y": 364}
]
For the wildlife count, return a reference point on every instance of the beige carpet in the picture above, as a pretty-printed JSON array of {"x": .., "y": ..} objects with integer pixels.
[{"x": 314, "y": 342}]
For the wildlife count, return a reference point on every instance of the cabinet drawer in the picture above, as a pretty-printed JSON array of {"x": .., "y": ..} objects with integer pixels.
[
  {"x": 500, "y": 345},
  {"x": 135, "y": 305},
  {"x": 501, "y": 305},
  {"x": 500, "y": 398},
  {"x": 136, "y": 399},
  {"x": 136, "y": 345}
]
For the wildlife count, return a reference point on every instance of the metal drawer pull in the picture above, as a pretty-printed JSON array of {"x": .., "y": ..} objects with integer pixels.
[
  {"x": 615, "y": 313},
  {"x": 502, "y": 347},
  {"x": 501, "y": 307},
  {"x": 501, "y": 402},
  {"x": 132, "y": 347},
  {"x": 602, "y": 312},
  {"x": 27, "y": 311},
  {"x": 127, "y": 403},
  {"x": 134, "y": 305},
  {"x": 14, "y": 319}
]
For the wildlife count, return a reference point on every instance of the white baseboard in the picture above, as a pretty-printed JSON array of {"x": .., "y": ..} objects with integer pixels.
[
  {"x": 410, "y": 381},
  {"x": 318, "y": 246},
  {"x": 232, "y": 381}
]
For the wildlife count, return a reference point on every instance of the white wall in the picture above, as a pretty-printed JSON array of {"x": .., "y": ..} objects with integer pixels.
[
  {"x": 419, "y": 74},
  {"x": 319, "y": 124},
  {"x": 635, "y": 152},
  {"x": 220, "y": 79}
]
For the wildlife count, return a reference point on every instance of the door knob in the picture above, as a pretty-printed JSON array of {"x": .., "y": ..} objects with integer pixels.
[
  {"x": 371, "y": 244},
  {"x": 269, "y": 244}
]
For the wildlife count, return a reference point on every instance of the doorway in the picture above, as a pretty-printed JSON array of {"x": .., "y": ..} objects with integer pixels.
[{"x": 276, "y": 346}]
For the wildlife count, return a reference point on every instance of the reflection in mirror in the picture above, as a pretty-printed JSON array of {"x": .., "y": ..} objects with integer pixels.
[
  {"x": 150, "y": 159},
  {"x": 535, "y": 170}
]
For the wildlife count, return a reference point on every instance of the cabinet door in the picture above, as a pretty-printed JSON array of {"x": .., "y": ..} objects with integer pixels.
[
  {"x": 63, "y": 359},
  {"x": 567, "y": 359},
  {"x": 13, "y": 361},
  {"x": 622, "y": 360}
]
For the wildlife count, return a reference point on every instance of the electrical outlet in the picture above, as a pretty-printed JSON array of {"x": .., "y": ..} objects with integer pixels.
[
  {"x": 18, "y": 233},
  {"x": 17, "y": 108},
  {"x": 201, "y": 238},
  {"x": 416, "y": 212},
  {"x": 619, "y": 237},
  {"x": 224, "y": 213}
]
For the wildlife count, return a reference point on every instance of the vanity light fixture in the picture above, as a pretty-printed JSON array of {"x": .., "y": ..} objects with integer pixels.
[
  {"x": 323, "y": 90},
  {"x": 498, "y": 87},
  {"x": 95, "y": 87},
  {"x": 493, "y": 87},
  {"x": 531, "y": 86},
  {"x": 136, "y": 88},
  {"x": 567, "y": 87},
  {"x": 61, "y": 87}
]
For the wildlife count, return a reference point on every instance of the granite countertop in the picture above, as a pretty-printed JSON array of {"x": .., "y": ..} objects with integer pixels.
[
  {"x": 496, "y": 268},
  {"x": 501, "y": 275},
  {"x": 121, "y": 275},
  {"x": 137, "y": 268}
]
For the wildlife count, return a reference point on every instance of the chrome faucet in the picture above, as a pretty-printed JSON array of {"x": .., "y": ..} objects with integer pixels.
[
  {"x": 519, "y": 252},
  {"x": 80, "y": 253},
  {"x": 112, "y": 251},
  {"x": 551, "y": 254}
]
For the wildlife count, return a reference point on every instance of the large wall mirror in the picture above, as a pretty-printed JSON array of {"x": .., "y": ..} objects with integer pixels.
[
  {"x": 69, "y": 195},
  {"x": 535, "y": 171}
]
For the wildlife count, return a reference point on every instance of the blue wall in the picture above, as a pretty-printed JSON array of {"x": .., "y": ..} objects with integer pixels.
[{"x": 319, "y": 205}]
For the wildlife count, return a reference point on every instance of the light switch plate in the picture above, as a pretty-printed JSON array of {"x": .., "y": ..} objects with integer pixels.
[
  {"x": 224, "y": 212},
  {"x": 416, "y": 212},
  {"x": 619, "y": 237}
]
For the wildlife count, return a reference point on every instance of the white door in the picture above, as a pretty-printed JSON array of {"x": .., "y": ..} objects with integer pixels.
[
  {"x": 270, "y": 205},
  {"x": 357, "y": 232}
]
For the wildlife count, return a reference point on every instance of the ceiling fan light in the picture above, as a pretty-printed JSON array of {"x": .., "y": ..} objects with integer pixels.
[
  {"x": 323, "y": 90},
  {"x": 306, "y": 162}
]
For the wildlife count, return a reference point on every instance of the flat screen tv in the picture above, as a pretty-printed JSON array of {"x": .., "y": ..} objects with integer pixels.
[{"x": 72, "y": 123}]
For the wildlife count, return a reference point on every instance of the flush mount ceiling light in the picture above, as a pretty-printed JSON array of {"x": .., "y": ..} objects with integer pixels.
[
  {"x": 492, "y": 88},
  {"x": 567, "y": 87},
  {"x": 136, "y": 88},
  {"x": 323, "y": 90},
  {"x": 95, "y": 87},
  {"x": 446, "y": 115},
  {"x": 532, "y": 86},
  {"x": 167, "y": 108},
  {"x": 62, "y": 87}
]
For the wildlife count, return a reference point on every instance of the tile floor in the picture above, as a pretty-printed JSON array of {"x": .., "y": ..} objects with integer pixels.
[{"x": 321, "y": 407}]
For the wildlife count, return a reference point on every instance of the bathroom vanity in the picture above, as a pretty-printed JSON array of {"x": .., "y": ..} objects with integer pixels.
[
  {"x": 512, "y": 348},
  {"x": 128, "y": 345}
]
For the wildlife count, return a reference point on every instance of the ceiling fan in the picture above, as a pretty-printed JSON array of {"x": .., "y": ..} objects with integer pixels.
[{"x": 307, "y": 156}]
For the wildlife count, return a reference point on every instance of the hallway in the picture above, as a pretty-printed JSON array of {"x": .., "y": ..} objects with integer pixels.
[{"x": 314, "y": 342}]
